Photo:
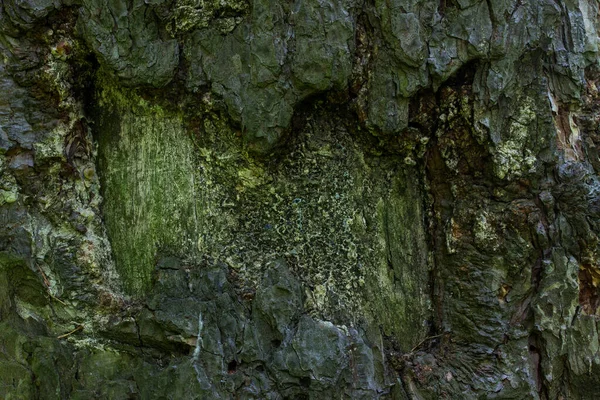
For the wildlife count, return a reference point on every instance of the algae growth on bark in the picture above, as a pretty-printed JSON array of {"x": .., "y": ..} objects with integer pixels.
[{"x": 311, "y": 199}]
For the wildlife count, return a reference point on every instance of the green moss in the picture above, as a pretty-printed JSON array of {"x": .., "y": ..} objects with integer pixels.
[
  {"x": 348, "y": 224},
  {"x": 149, "y": 180},
  {"x": 15, "y": 380},
  {"x": 399, "y": 288},
  {"x": 9, "y": 190}
]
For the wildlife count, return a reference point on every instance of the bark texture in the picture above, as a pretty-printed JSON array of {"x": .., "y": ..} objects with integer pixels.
[{"x": 317, "y": 199}]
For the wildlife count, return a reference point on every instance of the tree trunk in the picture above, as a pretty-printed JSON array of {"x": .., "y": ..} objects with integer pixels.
[{"x": 306, "y": 199}]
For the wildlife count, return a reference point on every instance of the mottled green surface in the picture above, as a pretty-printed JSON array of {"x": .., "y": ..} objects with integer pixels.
[
  {"x": 308, "y": 199},
  {"x": 152, "y": 198},
  {"x": 333, "y": 211}
]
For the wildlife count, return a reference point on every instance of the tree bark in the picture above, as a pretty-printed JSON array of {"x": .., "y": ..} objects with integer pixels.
[{"x": 304, "y": 199}]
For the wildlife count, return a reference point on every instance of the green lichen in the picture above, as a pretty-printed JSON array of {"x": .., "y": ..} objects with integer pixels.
[
  {"x": 513, "y": 157},
  {"x": 8, "y": 196},
  {"x": 188, "y": 15},
  {"x": 203, "y": 196}
]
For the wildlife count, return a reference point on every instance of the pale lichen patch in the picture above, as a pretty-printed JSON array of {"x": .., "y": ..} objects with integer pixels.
[{"x": 512, "y": 154}]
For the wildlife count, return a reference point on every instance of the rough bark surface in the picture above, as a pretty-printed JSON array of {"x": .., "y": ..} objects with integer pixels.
[{"x": 205, "y": 199}]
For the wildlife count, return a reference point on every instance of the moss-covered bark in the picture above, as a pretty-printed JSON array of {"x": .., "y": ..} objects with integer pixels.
[
  {"x": 152, "y": 196},
  {"x": 257, "y": 199}
]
